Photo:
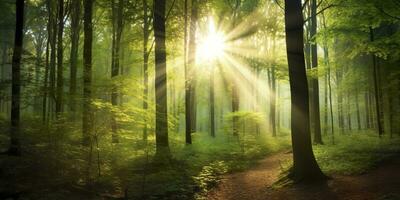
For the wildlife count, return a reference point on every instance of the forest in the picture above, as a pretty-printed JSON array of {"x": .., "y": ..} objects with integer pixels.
[{"x": 200, "y": 99}]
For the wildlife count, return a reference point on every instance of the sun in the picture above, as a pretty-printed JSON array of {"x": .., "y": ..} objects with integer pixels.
[{"x": 212, "y": 45}]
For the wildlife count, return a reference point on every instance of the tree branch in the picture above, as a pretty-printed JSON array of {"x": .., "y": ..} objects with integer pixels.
[
  {"x": 319, "y": 12},
  {"x": 304, "y": 4},
  {"x": 386, "y": 13},
  {"x": 280, "y": 6}
]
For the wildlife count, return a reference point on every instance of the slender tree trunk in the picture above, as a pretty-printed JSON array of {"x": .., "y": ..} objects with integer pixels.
[
  {"x": 53, "y": 41},
  {"x": 162, "y": 146},
  {"x": 146, "y": 35},
  {"x": 305, "y": 167},
  {"x": 348, "y": 111},
  {"x": 327, "y": 64},
  {"x": 376, "y": 88},
  {"x": 367, "y": 109},
  {"x": 117, "y": 23},
  {"x": 314, "y": 81},
  {"x": 75, "y": 33},
  {"x": 273, "y": 102},
  {"x": 16, "y": 80},
  {"x": 234, "y": 87},
  {"x": 87, "y": 115},
  {"x": 326, "y": 123},
  {"x": 358, "y": 111},
  {"x": 190, "y": 95},
  {"x": 46, "y": 80},
  {"x": 60, "y": 51},
  {"x": 212, "y": 103},
  {"x": 339, "y": 100}
]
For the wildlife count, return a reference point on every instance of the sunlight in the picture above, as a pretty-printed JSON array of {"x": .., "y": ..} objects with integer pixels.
[{"x": 212, "y": 45}]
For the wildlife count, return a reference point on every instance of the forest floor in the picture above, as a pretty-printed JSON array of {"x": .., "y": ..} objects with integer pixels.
[{"x": 380, "y": 183}]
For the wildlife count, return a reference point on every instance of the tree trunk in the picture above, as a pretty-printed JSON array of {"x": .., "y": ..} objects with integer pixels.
[
  {"x": 314, "y": 81},
  {"x": 348, "y": 111},
  {"x": 212, "y": 103},
  {"x": 162, "y": 146},
  {"x": 190, "y": 95},
  {"x": 14, "y": 148},
  {"x": 376, "y": 88},
  {"x": 146, "y": 35},
  {"x": 273, "y": 102},
  {"x": 60, "y": 51},
  {"x": 367, "y": 109},
  {"x": 75, "y": 33},
  {"x": 53, "y": 40},
  {"x": 305, "y": 167},
  {"x": 358, "y": 111},
  {"x": 117, "y": 24},
  {"x": 87, "y": 115}
]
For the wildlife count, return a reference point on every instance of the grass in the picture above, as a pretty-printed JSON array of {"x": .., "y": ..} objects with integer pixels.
[{"x": 355, "y": 153}]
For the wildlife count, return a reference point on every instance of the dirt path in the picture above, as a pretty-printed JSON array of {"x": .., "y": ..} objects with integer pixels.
[
  {"x": 382, "y": 183},
  {"x": 250, "y": 184}
]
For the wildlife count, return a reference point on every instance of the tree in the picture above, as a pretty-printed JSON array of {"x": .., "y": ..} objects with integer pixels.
[
  {"x": 305, "y": 167},
  {"x": 162, "y": 146},
  {"x": 87, "y": 115},
  {"x": 146, "y": 53},
  {"x": 75, "y": 15},
  {"x": 14, "y": 148},
  {"x": 117, "y": 28},
  {"x": 190, "y": 94},
  {"x": 60, "y": 51},
  {"x": 375, "y": 75},
  {"x": 314, "y": 81}
]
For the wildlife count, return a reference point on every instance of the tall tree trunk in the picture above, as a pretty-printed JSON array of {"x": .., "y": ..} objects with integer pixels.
[
  {"x": 75, "y": 33},
  {"x": 190, "y": 95},
  {"x": 53, "y": 42},
  {"x": 146, "y": 34},
  {"x": 305, "y": 167},
  {"x": 212, "y": 103},
  {"x": 87, "y": 115},
  {"x": 60, "y": 51},
  {"x": 339, "y": 100},
  {"x": 358, "y": 111},
  {"x": 14, "y": 148},
  {"x": 162, "y": 146},
  {"x": 117, "y": 23},
  {"x": 348, "y": 111},
  {"x": 376, "y": 88},
  {"x": 273, "y": 102},
  {"x": 327, "y": 64},
  {"x": 314, "y": 81},
  {"x": 367, "y": 109},
  {"x": 46, "y": 79},
  {"x": 326, "y": 123}
]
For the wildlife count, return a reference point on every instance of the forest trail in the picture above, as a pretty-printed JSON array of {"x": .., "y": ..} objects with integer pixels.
[
  {"x": 252, "y": 183},
  {"x": 382, "y": 183}
]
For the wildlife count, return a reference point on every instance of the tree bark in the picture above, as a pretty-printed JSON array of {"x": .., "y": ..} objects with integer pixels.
[
  {"x": 314, "y": 81},
  {"x": 60, "y": 52},
  {"x": 14, "y": 148},
  {"x": 87, "y": 115},
  {"x": 162, "y": 146},
  {"x": 190, "y": 95},
  {"x": 75, "y": 33},
  {"x": 212, "y": 103},
  {"x": 146, "y": 34},
  {"x": 117, "y": 24},
  {"x": 305, "y": 167},
  {"x": 376, "y": 89}
]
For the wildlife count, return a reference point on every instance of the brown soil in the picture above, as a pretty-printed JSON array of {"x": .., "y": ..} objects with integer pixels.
[{"x": 382, "y": 183}]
